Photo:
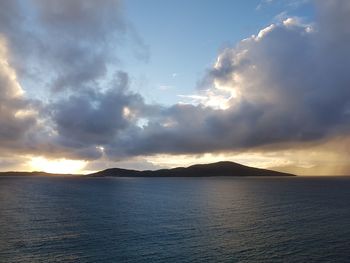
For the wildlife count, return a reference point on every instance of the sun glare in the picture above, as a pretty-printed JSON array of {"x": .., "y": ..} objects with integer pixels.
[{"x": 58, "y": 166}]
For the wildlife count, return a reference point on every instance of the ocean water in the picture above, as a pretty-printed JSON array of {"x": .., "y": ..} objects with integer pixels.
[{"x": 174, "y": 219}]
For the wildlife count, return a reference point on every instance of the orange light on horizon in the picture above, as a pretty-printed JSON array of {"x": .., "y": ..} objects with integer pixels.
[{"x": 57, "y": 166}]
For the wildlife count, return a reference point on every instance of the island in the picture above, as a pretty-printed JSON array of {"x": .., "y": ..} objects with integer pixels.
[{"x": 223, "y": 168}]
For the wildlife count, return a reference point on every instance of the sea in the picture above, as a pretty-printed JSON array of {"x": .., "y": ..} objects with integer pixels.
[{"x": 211, "y": 219}]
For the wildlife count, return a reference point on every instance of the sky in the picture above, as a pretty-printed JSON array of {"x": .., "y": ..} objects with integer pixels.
[{"x": 87, "y": 85}]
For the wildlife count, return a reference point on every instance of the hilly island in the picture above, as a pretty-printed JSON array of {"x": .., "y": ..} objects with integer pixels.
[{"x": 198, "y": 170}]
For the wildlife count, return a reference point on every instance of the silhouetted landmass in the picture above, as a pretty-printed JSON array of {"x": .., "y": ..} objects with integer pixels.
[
  {"x": 198, "y": 170},
  {"x": 35, "y": 173}
]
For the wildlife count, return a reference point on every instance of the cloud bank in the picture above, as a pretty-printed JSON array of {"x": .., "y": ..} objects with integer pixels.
[{"x": 287, "y": 84}]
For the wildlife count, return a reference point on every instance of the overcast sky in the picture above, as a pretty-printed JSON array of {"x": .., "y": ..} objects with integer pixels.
[{"x": 87, "y": 85}]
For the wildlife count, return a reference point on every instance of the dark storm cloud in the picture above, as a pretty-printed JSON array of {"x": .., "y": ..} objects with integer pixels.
[{"x": 95, "y": 118}]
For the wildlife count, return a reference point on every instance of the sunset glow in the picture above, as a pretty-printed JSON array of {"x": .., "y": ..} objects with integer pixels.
[{"x": 59, "y": 166}]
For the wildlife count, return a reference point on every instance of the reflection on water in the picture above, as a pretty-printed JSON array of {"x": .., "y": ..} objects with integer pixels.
[{"x": 174, "y": 219}]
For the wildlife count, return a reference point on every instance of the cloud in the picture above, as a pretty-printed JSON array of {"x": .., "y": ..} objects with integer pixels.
[
  {"x": 290, "y": 4},
  {"x": 17, "y": 115},
  {"x": 63, "y": 52},
  {"x": 79, "y": 38},
  {"x": 289, "y": 84},
  {"x": 74, "y": 43},
  {"x": 95, "y": 118}
]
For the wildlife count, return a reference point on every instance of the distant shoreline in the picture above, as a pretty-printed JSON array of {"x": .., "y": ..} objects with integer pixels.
[{"x": 219, "y": 169}]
